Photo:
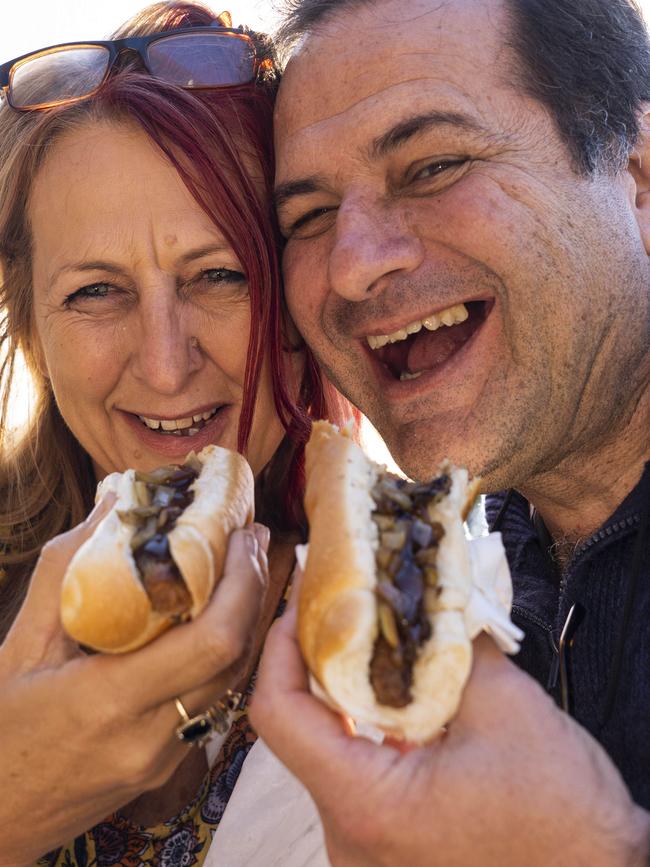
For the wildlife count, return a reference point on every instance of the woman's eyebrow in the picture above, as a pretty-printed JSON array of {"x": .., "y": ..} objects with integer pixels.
[
  {"x": 200, "y": 252},
  {"x": 80, "y": 267},
  {"x": 111, "y": 268}
]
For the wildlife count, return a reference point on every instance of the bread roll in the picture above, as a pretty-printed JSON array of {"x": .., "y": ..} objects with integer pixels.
[
  {"x": 339, "y": 623},
  {"x": 104, "y": 603}
]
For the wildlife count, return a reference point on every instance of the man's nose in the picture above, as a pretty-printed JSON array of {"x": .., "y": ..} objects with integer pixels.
[
  {"x": 167, "y": 351},
  {"x": 372, "y": 240}
]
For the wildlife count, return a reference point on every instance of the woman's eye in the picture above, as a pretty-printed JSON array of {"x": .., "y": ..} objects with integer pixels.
[
  {"x": 94, "y": 290},
  {"x": 223, "y": 275}
]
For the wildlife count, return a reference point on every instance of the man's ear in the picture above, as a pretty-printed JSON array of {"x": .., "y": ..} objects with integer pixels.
[{"x": 639, "y": 170}]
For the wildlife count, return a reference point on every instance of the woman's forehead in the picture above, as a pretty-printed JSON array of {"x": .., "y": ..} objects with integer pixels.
[{"x": 107, "y": 194}]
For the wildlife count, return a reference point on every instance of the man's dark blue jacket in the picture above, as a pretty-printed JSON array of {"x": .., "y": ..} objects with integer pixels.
[{"x": 603, "y": 669}]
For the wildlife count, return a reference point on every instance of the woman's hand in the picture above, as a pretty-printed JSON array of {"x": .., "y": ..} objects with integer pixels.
[{"x": 82, "y": 735}]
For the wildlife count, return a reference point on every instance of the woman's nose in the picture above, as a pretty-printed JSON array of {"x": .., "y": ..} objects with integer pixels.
[
  {"x": 167, "y": 351},
  {"x": 371, "y": 241}
]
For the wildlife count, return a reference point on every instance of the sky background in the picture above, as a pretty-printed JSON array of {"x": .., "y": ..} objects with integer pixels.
[{"x": 42, "y": 22}]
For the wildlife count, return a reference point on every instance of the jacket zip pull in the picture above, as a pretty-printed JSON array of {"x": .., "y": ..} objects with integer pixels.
[
  {"x": 574, "y": 619},
  {"x": 554, "y": 673}
]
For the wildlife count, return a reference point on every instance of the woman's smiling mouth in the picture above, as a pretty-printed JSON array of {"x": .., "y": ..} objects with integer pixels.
[
  {"x": 186, "y": 426},
  {"x": 173, "y": 438}
]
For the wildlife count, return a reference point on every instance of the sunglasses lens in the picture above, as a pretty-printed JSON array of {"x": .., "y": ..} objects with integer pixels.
[
  {"x": 202, "y": 59},
  {"x": 57, "y": 76}
]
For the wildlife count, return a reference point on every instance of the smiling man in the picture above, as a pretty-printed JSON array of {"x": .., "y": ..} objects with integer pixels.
[{"x": 464, "y": 191}]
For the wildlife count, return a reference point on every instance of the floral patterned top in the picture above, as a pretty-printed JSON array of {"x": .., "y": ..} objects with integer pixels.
[{"x": 183, "y": 840}]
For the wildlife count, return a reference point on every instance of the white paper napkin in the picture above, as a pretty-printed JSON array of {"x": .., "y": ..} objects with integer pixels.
[
  {"x": 270, "y": 820},
  {"x": 490, "y": 601}
]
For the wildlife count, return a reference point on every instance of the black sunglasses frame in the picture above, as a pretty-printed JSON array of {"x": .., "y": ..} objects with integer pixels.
[{"x": 116, "y": 47}]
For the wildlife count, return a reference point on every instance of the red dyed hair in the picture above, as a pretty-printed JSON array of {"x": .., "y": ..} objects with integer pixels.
[
  {"x": 190, "y": 127},
  {"x": 221, "y": 144}
]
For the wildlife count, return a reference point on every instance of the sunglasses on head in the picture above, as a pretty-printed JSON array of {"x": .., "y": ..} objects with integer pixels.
[{"x": 193, "y": 58}]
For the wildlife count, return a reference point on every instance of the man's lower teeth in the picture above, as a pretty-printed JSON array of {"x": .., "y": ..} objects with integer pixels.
[{"x": 406, "y": 375}]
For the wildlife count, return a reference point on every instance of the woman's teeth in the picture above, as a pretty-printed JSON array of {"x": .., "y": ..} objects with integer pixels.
[
  {"x": 179, "y": 426},
  {"x": 450, "y": 316}
]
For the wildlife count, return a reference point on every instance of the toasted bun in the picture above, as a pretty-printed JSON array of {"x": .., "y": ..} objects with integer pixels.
[
  {"x": 337, "y": 609},
  {"x": 103, "y": 602}
]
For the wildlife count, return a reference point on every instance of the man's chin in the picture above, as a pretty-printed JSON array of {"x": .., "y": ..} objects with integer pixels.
[{"x": 418, "y": 449}]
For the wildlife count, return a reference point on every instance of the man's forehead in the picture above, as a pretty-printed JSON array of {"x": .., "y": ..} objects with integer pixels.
[{"x": 391, "y": 50}]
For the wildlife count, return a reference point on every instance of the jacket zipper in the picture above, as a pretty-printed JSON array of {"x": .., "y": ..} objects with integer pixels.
[
  {"x": 595, "y": 538},
  {"x": 606, "y": 532}
]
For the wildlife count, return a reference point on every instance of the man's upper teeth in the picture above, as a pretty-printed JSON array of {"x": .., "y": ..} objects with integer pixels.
[
  {"x": 176, "y": 423},
  {"x": 450, "y": 316}
]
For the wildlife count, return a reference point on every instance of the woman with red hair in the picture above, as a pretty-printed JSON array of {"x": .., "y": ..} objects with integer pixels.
[{"x": 140, "y": 280}]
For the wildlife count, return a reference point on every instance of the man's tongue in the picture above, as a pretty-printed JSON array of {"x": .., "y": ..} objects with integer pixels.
[{"x": 427, "y": 349}]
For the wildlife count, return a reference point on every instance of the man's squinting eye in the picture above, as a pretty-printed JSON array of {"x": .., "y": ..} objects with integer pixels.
[
  {"x": 311, "y": 223},
  {"x": 437, "y": 167}
]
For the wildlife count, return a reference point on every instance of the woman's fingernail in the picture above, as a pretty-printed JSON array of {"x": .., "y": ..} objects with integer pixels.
[
  {"x": 251, "y": 543},
  {"x": 263, "y": 536}
]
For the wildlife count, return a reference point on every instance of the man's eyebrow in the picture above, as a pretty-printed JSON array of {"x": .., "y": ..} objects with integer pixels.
[
  {"x": 416, "y": 125},
  {"x": 302, "y": 187},
  {"x": 383, "y": 144}
]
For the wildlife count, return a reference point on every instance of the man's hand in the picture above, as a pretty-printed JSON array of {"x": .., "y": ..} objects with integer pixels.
[{"x": 514, "y": 782}]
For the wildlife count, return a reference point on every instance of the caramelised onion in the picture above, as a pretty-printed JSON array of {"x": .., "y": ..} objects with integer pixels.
[
  {"x": 138, "y": 515},
  {"x": 421, "y": 533},
  {"x": 406, "y": 590},
  {"x": 397, "y": 496},
  {"x": 394, "y": 540},
  {"x": 163, "y": 495},
  {"x": 144, "y": 533},
  {"x": 387, "y": 624}
]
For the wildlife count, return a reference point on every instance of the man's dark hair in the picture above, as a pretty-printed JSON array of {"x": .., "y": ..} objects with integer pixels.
[{"x": 586, "y": 61}]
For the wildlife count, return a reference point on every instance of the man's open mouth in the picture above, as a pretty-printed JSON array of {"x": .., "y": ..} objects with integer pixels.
[{"x": 428, "y": 343}]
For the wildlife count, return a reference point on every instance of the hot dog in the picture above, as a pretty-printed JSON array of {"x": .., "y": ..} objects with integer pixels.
[
  {"x": 155, "y": 558},
  {"x": 387, "y": 578}
]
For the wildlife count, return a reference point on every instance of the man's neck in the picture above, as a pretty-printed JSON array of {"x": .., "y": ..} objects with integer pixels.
[{"x": 582, "y": 491}]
